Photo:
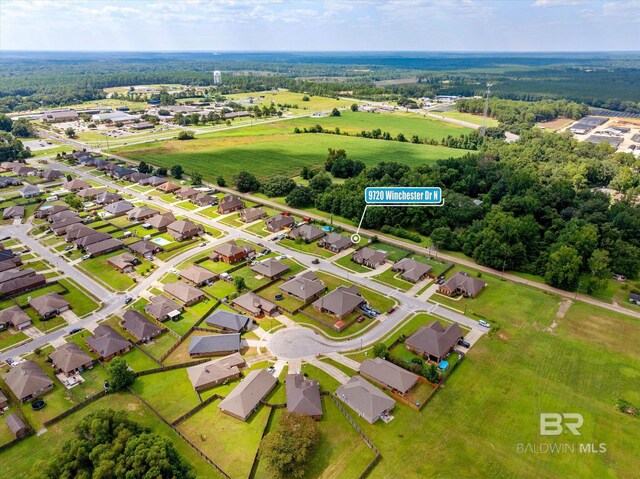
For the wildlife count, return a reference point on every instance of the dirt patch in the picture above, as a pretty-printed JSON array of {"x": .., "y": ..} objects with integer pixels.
[
  {"x": 555, "y": 124},
  {"x": 503, "y": 336}
]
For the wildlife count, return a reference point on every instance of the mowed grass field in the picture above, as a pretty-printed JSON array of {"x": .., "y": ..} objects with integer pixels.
[
  {"x": 273, "y": 155},
  {"x": 492, "y": 401},
  {"x": 354, "y": 122},
  {"x": 315, "y": 103}
]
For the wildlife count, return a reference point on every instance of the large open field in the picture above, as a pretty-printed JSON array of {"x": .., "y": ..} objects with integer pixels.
[
  {"x": 491, "y": 403},
  {"x": 315, "y": 103},
  {"x": 274, "y": 155}
]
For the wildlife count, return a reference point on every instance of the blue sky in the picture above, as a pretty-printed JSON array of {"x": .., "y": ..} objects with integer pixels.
[{"x": 423, "y": 25}]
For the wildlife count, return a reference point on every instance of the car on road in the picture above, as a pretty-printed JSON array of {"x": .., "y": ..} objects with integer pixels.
[
  {"x": 463, "y": 343},
  {"x": 265, "y": 251},
  {"x": 5, "y": 238},
  {"x": 75, "y": 330},
  {"x": 315, "y": 261},
  {"x": 128, "y": 299},
  {"x": 9, "y": 361},
  {"x": 282, "y": 256},
  {"x": 391, "y": 309},
  {"x": 86, "y": 256},
  {"x": 260, "y": 244},
  {"x": 175, "y": 271},
  {"x": 204, "y": 243},
  {"x": 484, "y": 323},
  {"x": 271, "y": 370},
  {"x": 26, "y": 250}
]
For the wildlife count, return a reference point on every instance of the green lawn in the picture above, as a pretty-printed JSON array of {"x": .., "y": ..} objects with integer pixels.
[
  {"x": 100, "y": 269},
  {"x": 160, "y": 344},
  {"x": 259, "y": 229},
  {"x": 342, "y": 453},
  {"x": 7, "y": 338},
  {"x": 393, "y": 279},
  {"x": 220, "y": 289},
  {"x": 310, "y": 248},
  {"x": 231, "y": 443},
  {"x": 283, "y": 154},
  {"x": 22, "y": 459},
  {"x": 495, "y": 397},
  {"x": 169, "y": 392},
  {"x": 82, "y": 302},
  {"x": 345, "y": 262},
  {"x": 469, "y": 117},
  {"x": 394, "y": 253}
]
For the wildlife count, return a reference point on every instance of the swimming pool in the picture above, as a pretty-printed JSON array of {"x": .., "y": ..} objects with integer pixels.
[
  {"x": 161, "y": 241},
  {"x": 443, "y": 365}
]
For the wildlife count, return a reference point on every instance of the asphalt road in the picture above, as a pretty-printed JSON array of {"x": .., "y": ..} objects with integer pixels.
[{"x": 301, "y": 342}]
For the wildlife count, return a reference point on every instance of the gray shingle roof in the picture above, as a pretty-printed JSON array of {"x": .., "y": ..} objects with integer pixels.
[
  {"x": 270, "y": 268},
  {"x": 215, "y": 371},
  {"x": 106, "y": 341},
  {"x": 118, "y": 207},
  {"x": 246, "y": 397},
  {"x": 365, "y": 399},
  {"x": 26, "y": 379},
  {"x": 227, "y": 320},
  {"x": 303, "y": 395},
  {"x": 435, "y": 339},
  {"x": 340, "y": 301},
  {"x": 388, "y": 374},
  {"x": 139, "y": 326},
  {"x": 215, "y": 344},
  {"x": 304, "y": 286},
  {"x": 69, "y": 357}
]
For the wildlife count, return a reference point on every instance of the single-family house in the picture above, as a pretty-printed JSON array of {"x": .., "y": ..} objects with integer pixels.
[
  {"x": 138, "y": 326},
  {"x": 184, "y": 292},
  {"x": 365, "y": 399},
  {"x": 14, "y": 316},
  {"x": 155, "y": 181},
  {"x": 145, "y": 248},
  {"x": 184, "y": 229},
  {"x": 162, "y": 308},
  {"x": 21, "y": 282},
  {"x": 141, "y": 213},
  {"x": 106, "y": 198},
  {"x": 369, "y": 257},
  {"x": 340, "y": 302},
  {"x": 45, "y": 212},
  {"x": 49, "y": 305},
  {"x": 335, "y": 242},
  {"x": 303, "y": 396},
  {"x": 228, "y": 322},
  {"x": 161, "y": 221},
  {"x": 13, "y": 212},
  {"x": 217, "y": 371},
  {"x": 435, "y": 341},
  {"x": 462, "y": 283},
  {"x": 197, "y": 275},
  {"x": 249, "y": 215},
  {"x": 229, "y": 204},
  {"x": 270, "y": 268},
  {"x": 411, "y": 270},
  {"x": 107, "y": 343},
  {"x": 256, "y": 305},
  {"x": 91, "y": 238},
  {"x": 307, "y": 233},
  {"x": 89, "y": 193},
  {"x": 62, "y": 215},
  {"x": 230, "y": 252},
  {"x": 59, "y": 228},
  {"x": 76, "y": 185},
  {"x": 279, "y": 222},
  {"x": 124, "y": 262},
  {"x": 137, "y": 177},
  {"x": 306, "y": 287},
  {"x": 186, "y": 192},
  {"x": 388, "y": 375},
  {"x": 168, "y": 187},
  {"x": 203, "y": 199},
  {"x": 29, "y": 191},
  {"x": 70, "y": 359},
  {"x": 118, "y": 208},
  {"x": 27, "y": 381},
  {"x": 246, "y": 396},
  {"x": 215, "y": 345},
  {"x": 50, "y": 175},
  {"x": 104, "y": 247}
]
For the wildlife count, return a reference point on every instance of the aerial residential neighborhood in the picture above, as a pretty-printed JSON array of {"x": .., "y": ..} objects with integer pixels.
[{"x": 259, "y": 240}]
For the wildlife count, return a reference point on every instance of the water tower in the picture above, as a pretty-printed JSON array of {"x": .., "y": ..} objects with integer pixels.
[{"x": 217, "y": 77}]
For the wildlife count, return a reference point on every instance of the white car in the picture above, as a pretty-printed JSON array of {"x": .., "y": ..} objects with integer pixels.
[
  {"x": 282, "y": 256},
  {"x": 86, "y": 256},
  {"x": 484, "y": 323}
]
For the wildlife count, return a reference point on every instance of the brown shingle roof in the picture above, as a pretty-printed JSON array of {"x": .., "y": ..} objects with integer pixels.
[
  {"x": 434, "y": 339},
  {"x": 304, "y": 286},
  {"x": 246, "y": 397},
  {"x": 48, "y": 303},
  {"x": 270, "y": 268},
  {"x": 388, "y": 374},
  {"x": 197, "y": 274},
  {"x": 27, "y": 379},
  {"x": 183, "y": 291},
  {"x": 340, "y": 301},
  {"x": 139, "y": 326},
  {"x": 70, "y": 357},
  {"x": 106, "y": 341},
  {"x": 303, "y": 395}
]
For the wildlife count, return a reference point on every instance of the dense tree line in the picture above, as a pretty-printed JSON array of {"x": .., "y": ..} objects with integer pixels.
[
  {"x": 541, "y": 210},
  {"x": 11, "y": 148},
  {"x": 471, "y": 141},
  {"x": 107, "y": 444},
  {"x": 516, "y": 116}
]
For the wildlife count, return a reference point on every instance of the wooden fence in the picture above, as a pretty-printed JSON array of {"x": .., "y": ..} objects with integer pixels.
[
  {"x": 75, "y": 408},
  {"x": 177, "y": 431},
  {"x": 199, "y": 407},
  {"x": 173, "y": 366}
]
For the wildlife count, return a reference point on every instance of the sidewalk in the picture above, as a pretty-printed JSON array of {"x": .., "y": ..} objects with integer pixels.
[
  {"x": 331, "y": 370},
  {"x": 350, "y": 363}
]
